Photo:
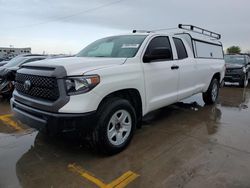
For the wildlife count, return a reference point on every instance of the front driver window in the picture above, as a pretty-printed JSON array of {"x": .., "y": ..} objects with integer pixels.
[{"x": 159, "y": 42}]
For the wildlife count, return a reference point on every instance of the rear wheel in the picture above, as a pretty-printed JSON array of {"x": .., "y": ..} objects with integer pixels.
[
  {"x": 211, "y": 95},
  {"x": 115, "y": 127},
  {"x": 244, "y": 82}
]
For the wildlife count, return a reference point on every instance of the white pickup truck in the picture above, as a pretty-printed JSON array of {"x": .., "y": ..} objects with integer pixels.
[{"x": 105, "y": 90}]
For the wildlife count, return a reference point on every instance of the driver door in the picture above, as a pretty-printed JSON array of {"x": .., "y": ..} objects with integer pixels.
[{"x": 161, "y": 75}]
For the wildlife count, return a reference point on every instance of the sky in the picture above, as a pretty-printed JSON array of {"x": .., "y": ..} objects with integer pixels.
[{"x": 67, "y": 26}]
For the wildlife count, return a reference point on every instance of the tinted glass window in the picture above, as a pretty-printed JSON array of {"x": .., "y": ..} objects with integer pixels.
[
  {"x": 33, "y": 59},
  {"x": 180, "y": 48},
  {"x": 15, "y": 61},
  {"x": 235, "y": 59},
  {"x": 159, "y": 42}
]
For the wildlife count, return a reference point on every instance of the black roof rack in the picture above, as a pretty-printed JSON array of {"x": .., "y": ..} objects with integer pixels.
[{"x": 199, "y": 30}]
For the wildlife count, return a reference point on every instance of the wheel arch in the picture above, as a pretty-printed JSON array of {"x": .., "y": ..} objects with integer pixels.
[
  {"x": 217, "y": 76},
  {"x": 133, "y": 96}
]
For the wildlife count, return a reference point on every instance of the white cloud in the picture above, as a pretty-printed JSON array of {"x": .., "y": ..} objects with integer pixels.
[{"x": 64, "y": 21}]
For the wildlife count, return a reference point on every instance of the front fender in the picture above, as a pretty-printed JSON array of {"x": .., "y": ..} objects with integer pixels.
[{"x": 112, "y": 79}]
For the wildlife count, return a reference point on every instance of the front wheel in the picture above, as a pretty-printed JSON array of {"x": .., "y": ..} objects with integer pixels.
[
  {"x": 115, "y": 127},
  {"x": 244, "y": 82},
  {"x": 211, "y": 95}
]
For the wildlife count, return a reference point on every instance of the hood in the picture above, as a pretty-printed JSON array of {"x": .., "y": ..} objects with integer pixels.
[
  {"x": 78, "y": 65},
  {"x": 233, "y": 66}
]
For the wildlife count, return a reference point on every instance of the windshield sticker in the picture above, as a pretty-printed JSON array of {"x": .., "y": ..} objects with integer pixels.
[
  {"x": 239, "y": 58},
  {"x": 130, "y": 46}
]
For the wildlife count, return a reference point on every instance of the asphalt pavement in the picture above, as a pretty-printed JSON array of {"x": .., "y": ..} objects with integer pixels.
[{"x": 186, "y": 144}]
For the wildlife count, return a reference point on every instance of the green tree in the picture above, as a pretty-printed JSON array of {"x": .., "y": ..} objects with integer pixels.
[{"x": 233, "y": 50}]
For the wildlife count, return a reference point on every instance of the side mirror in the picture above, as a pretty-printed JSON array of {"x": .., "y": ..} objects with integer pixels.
[{"x": 157, "y": 54}]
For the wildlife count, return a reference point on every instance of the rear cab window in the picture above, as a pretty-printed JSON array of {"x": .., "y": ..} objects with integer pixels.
[{"x": 180, "y": 48}]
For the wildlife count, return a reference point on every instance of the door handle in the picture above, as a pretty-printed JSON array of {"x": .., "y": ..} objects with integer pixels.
[{"x": 175, "y": 67}]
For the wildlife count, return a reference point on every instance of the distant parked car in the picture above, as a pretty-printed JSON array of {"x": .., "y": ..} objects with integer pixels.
[
  {"x": 8, "y": 71},
  {"x": 237, "y": 69},
  {"x": 2, "y": 63}
]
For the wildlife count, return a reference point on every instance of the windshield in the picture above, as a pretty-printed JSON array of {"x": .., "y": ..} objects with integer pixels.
[
  {"x": 118, "y": 46},
  {"x": 15, "y": 62},
  {"x": 235, "y": 59}
]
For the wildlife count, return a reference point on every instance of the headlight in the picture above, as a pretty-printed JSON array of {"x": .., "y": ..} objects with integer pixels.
[
  {"x": 244, "y": 69},
  {"x": 81, "y": 84}
]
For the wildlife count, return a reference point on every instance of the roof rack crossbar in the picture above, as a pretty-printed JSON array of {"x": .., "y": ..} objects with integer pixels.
[
  {"x": 199, "y": 30},
  {"x": 141, "y": 31}
]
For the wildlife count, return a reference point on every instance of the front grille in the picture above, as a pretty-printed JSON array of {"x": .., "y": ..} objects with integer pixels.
[
  {"x": 233, "y": 70},
  {"x": 40, "y": 86}
]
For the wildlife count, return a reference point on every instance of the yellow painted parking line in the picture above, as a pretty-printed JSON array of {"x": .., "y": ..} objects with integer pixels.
[
  {"x": 123, "y": 180},
  {"x": 120, "y": 182},
  {"x": 6, "y": 116},
  {"x": 7, "y": 120},
  {"x": 85, "y": 174}
]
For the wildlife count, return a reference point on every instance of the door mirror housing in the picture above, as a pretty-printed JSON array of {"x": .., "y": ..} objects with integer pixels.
[{"x": 157, "y": 54}]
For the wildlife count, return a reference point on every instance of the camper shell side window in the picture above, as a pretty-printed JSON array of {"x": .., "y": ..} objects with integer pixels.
[{"x": 204, "y": 49}]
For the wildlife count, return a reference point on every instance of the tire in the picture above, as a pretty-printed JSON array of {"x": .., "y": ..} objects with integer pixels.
[
  {"x": 111, "y": 135},
  {"x": 244, "y": 82},
  {"x": 211, "y": 95}
]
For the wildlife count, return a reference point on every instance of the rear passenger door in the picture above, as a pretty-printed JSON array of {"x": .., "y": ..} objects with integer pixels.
[
  {"x": 187, "y": 67},
  {"x": 161, "y": 76}
]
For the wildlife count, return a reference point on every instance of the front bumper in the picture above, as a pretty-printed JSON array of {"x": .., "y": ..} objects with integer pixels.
[
  {"x": 233, "y": 77},
  {"x": 53, "y": 123}
]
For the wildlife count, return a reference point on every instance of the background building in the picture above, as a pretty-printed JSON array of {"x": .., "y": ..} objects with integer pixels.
[{"x": 7, "y": 53}]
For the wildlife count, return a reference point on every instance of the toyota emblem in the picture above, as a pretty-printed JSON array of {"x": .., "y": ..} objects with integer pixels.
[{"x": 27, "y": 85}]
